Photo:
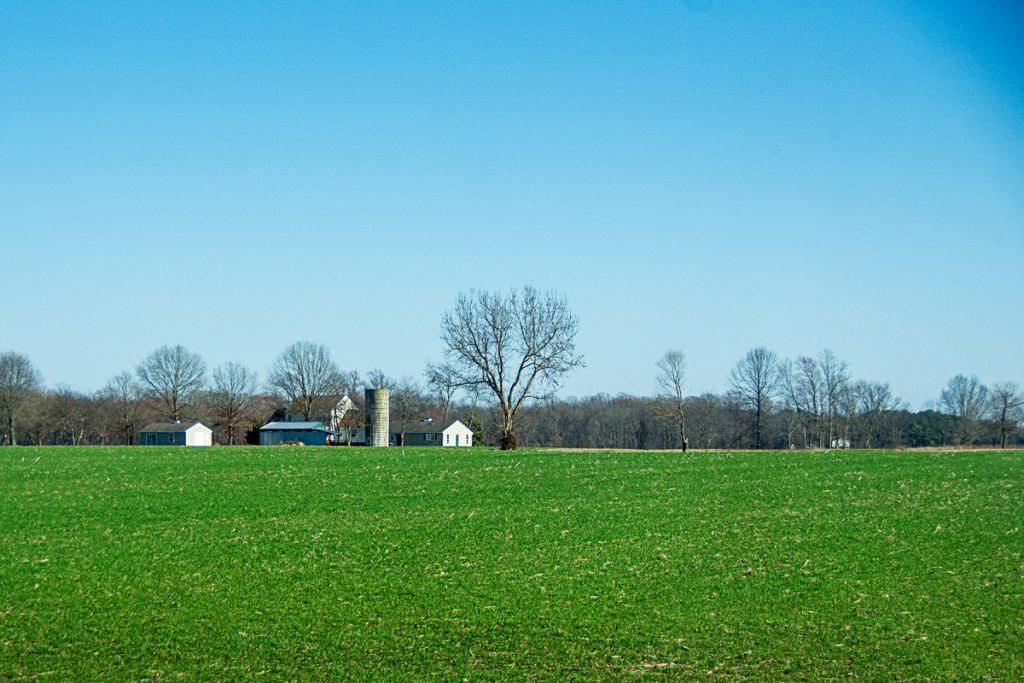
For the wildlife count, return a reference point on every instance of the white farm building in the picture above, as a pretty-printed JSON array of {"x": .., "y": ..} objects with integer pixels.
[
  {"x": 451, "y": 434},
  {"x": 176, "y": 434}
]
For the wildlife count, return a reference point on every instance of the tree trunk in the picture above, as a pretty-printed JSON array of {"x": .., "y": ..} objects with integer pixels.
[
  {"x": 508, "y": 436},
  {"x": 757, "y": 429}
]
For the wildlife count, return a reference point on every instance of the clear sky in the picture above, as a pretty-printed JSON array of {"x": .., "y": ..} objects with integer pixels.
[{"x": 706, "y": 175}]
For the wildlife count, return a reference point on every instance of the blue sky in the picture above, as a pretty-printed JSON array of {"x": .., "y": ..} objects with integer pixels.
[{"x": 702, "y": 175}]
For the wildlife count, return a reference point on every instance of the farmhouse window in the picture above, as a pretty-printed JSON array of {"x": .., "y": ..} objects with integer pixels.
[{"x": 170, "y": 438}]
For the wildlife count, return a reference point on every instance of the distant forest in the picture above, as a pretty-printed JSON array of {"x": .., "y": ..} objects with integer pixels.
[{"x": 721, "y": 422}]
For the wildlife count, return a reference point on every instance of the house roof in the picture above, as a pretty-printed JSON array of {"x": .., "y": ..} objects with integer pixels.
[
  {"x": 173, "y": 427},
  {"x": 327, "y": 401},
  {"x": 420, "y": 427},
  {"x": 294, "y": 427}
]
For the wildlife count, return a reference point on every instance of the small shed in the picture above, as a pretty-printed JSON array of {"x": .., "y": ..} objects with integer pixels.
[
  {"x": 176, "y": 434},
  {"x": 451, "y": 434},
  {"x": 308, "y": 433}
]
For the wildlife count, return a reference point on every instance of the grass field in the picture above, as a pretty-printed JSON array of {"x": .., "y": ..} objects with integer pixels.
[{"x": 306, "y": 563}]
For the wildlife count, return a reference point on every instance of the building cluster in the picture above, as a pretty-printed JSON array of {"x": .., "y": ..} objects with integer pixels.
[{"x": 290, "y": 427}]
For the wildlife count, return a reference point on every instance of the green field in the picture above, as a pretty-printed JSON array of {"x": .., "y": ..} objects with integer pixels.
[{"x": 315, "y": 563}]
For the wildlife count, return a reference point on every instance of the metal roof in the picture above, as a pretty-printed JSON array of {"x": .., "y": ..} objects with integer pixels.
[
  {"x": 325, "y": 402},
  {"x": 293, "y": 427},
  {"x": 173, "y": 427}
]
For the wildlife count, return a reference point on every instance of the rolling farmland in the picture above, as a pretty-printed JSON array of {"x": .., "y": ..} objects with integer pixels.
[{"x": 300, "y": 563}]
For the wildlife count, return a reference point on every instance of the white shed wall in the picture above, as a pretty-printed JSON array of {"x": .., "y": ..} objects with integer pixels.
[
  {"x": 199, "y": 435},
  {"x": 464, "y": 433}
]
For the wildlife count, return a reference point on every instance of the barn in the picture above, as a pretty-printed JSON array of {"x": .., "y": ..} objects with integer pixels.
[
  {"x": 308, "y": 433},
  {"x": 176, "y": 434}
]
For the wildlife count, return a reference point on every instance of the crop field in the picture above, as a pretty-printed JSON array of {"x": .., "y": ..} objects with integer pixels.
[{"x": 429, "y": 564}]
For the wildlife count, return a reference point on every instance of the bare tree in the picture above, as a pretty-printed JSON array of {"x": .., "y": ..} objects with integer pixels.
[
  {"x": 234, "y": 386},
  {"x": 443, "y": 382},
  {"x": 1007, "y": 408},
  {"x": 800, "y": 383},
  {"x": 19, "y": 383},
  {"x": 406, "y": 402},
  {"x": 875, "y": 404},
  {"x": 306, "y": 376},
  {"x": 475, "y": 412},
  {"x": 517, "y": 345},
  {"x": 705, "y": 416},
  {"x": 754, "y": 380},
  {"x": 173, "y": 375},
  {"x": 350, "y": 382},
  {"x": 376, "y": 379},
  {"x": 835, "y": 389},
  {"x": 124, "y": 394},
  {"x": 790, "y": 400},
  {"x": 672, "y": 370},
  {"x": 965, "y": 398},
  {"x": 348, "y": 415},
  {"x": 800, "y": 386},
  {"x": 67, "y": 414}
]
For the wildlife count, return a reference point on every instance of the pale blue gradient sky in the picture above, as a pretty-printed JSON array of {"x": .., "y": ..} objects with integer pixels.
[{"x": 707, "y": 176}]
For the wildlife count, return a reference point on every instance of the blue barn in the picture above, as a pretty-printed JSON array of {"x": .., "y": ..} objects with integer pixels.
[{"x": 308, "y": 433}]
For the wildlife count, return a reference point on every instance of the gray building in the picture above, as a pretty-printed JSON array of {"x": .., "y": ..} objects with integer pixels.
[
  {"x": 451, "y": 434},
  {"x": 308, "y": 433},
  {"x": 176, "y": 434}
]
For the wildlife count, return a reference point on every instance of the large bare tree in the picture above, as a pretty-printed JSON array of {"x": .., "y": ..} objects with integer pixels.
[
  {"x": 305, "y": 375},
  {"x": 231, "y": 397},
  {"x": 671, "y": 372},
  {"x": 1007, "y": 408},
  {"x": 754, "y": 379},
  {"x": 966, "y": 399},
  {"x": 174, "y": 376},
  {"x": 518, "y": 345},
  {"x": 19, "y": 383}
]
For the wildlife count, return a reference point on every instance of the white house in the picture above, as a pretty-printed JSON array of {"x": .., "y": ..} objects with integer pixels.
[
  {"x": 176, "y": 434},
  {"x": 451, "y": 434}
]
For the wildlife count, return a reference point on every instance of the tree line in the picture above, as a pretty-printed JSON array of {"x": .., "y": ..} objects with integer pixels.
[
  {"x": 801, "y": 403},
  {"x": 173, "y": 384},
  {"x": 505, "y": 355}
]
